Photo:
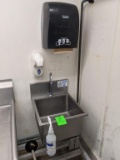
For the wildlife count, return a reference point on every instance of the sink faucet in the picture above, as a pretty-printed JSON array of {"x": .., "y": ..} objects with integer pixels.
[{"x": 50, "y": 84}]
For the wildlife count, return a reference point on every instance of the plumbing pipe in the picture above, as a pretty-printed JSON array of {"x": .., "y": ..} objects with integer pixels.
[{"x": 80, "y": 45}]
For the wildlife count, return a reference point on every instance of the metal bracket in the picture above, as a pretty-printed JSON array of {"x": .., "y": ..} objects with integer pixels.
[{"x": 74, "y": 143}]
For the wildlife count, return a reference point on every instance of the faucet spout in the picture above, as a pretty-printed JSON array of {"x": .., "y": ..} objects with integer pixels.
[{"x": 50, "y": 84}]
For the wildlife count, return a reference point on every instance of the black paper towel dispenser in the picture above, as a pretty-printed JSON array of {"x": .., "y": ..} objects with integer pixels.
[{"x": 60, "y": 25}]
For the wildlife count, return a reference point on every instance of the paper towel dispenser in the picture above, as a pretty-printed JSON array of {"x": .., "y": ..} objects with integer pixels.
[{"x": 60, "y": 25}]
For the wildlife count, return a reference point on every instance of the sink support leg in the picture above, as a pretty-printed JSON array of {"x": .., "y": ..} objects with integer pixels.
[{"x": 74, "y": 143}]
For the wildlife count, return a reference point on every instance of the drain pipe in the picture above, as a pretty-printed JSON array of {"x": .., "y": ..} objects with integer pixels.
[{"x": 80, "y": 45}]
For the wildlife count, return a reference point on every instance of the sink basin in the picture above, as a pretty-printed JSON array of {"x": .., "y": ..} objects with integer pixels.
[
  {"x": 55, "y": 106},
  {"x": 61, "y": 103}
]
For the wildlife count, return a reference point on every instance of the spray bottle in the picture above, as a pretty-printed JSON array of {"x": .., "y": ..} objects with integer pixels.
[{"x": 51, "y": 140}]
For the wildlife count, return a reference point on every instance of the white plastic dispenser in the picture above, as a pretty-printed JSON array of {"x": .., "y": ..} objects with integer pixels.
[
  {"x": 50, "y": 140},
  {"x": 37, "y": 64}
]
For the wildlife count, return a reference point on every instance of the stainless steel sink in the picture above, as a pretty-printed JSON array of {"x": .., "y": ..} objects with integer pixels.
[
  {"x": 8, "y": 140},
  {"x": 61, "y": 103},
  {"x": 55, "y": 106}
]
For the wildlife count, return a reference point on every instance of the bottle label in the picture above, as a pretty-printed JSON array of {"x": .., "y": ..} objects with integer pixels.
[
  {"x": 51, "y": 148},
  {"x": 49, "y": 144}
]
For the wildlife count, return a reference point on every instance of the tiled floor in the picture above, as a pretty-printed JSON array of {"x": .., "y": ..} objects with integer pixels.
[{"x": 75, "y": 158}]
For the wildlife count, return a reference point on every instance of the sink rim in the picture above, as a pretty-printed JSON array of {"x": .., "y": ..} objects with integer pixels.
[{"x": 50, "y": 97}]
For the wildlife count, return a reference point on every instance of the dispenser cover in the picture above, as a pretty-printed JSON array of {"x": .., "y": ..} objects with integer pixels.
[{"x": 60, "y": 25}]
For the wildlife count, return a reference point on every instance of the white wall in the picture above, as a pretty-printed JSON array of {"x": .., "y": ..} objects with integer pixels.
[
  {"x": 20, "y": 35},
  {"x": 100, "y": 78}
]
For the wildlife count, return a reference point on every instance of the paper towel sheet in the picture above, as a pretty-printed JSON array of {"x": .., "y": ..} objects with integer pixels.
[{"x": 63, "y": 50}]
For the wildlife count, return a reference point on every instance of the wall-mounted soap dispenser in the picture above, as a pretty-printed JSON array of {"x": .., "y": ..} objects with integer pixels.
[
  {"x": 60, "y": 25},
  {"x": 37, "y": 64}
]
